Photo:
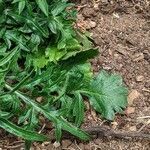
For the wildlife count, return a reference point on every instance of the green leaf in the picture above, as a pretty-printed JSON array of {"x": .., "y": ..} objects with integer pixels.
[
  {"x": 60, "y": 7},
  {"x": 107, "y": 94},
  {"x": 53, "y": 116},
  {"x": 43, "y": 6},
  {"x": 8, "y": 57},
  {"x": 32, "y": 23},
  {"x": 79, "y": 57},
  {"x": 54, "y": 54},
  {"x": 40, "y": 62},
  {"x": 19, "y": 40},
  {"x": 21, "y": 6},
  {"x": 53, "y": 26},
  {"x": 58, "y": 132},
  {"x": 78, "y": 110},
  {"x": 25, "y": 134}
]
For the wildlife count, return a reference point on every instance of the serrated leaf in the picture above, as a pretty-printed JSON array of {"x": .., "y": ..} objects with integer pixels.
[
  {"x": 73, "y": 44},
  {"x": 43, "y": 5},
  {"x": 107, "y": 94},
  {"x": 84, "y": 40},
  {"x": 25, "y": 134},
  {"x": 54, "y": 54},
  {"x": 40, "y": 62}
]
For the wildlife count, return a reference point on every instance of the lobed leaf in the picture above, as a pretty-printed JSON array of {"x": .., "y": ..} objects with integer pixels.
[{"x": 107, "y": 94}]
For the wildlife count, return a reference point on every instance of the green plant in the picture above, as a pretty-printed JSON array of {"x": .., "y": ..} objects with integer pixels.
[{"x": 42, "y": 55}]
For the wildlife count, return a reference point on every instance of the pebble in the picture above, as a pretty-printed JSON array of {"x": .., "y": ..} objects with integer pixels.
[
  {"x": 130, "y": 110},
  {"x": 66, "y": 143},
  {"x": 114, "y": 125},
  {"x": 116, "y": 15},
  {"x": 137, "y": 57},
  {"x": 56, "y": 144},
  {"x": 90, "y": 24},
  {"x": 105, "y": 1},
  {"x": 134, "y": 94},
  {"x": 132, "y": 128},
  {"x": 139, "y": 78}
]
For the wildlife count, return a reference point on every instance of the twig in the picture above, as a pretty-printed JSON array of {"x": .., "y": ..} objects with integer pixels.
[
  {"x": 144, "y": 117},
  {"x": 107, "y": 132},
  {"x": 101, "y": 132},
  {"x": 14, "y": 147},
  {"x": 77, "y": 145}
]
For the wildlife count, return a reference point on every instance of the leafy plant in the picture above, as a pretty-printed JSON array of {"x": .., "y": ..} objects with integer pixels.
[{"x": 42, "y": 55}]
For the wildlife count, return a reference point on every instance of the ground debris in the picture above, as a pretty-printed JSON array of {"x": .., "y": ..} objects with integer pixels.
[
  {"x": 138, "y": 57},
  {"x": 134, "y": 94}
]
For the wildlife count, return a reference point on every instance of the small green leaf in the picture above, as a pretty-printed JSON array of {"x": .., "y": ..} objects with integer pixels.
[
  {"x": 60, "y": 7},
  {"x": 40, "y": 62},
  {"x": 78, "y": 57},
  {"x": 25, "y": 134},
  {"x": 8, "y": 57},
  {"x": 54, "y": 54},
  {"x": 58, "y": 132},
  {"x": 53, "y": 26},
  {"x": 43, "y": 5},
  {"x": 21, "y": 6},
  {"x": 78, "y": 110}
]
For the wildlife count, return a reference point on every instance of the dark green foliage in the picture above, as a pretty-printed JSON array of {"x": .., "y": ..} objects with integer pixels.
[{"x": 42, "y": 55}]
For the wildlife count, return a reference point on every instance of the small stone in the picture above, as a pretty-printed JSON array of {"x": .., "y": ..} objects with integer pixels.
[
  {"x": 107, "y": 68},
  {"x": 138, "y": 57},
  {"x": 139, "y": 78},
  {"x": 105, "y": 1},
  {"x": 133, "y": 128},
  {"x": 134, "y": 94},
  {"x": 45, "y": 143},
  {"x": 81, "y": 145},
  {"x": 39, "y": 99},
  {"x": 56, "y": 144},
  {"x": 97, "y": 141},
  {"x": 116, "y": 15},
  {"x": 96, "y": 6},
  {"x": 130, "y": 110},
  {"x": 122, "y": 50},
  {"x": 90, "y": 24},
  {"x": 66, "y": 143},
  {"x": 114, "y": 125},
  {"x": 88, "y": 12}
]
